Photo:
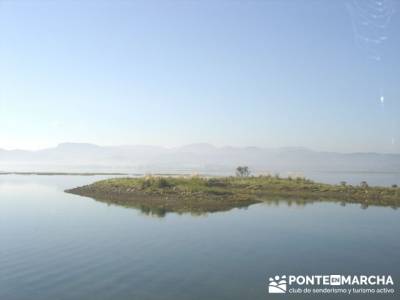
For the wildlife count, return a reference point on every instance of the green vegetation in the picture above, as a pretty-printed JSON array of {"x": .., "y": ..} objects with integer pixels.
[{"x": 197, "y": 195}]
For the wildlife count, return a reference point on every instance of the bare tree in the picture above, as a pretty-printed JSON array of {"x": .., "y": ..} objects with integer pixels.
[{"x": 242, "y": 171}]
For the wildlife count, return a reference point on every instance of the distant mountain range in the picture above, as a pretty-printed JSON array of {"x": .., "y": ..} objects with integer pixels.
[{"x": 201, "y": 158}]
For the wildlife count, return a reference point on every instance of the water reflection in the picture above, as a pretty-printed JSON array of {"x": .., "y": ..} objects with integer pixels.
[
  {"x": 56, "y": 245},
  {"x": 161, "y": 212}
]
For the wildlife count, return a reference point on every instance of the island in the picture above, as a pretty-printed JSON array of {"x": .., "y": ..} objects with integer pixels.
[{"x": 195, "y": 194}]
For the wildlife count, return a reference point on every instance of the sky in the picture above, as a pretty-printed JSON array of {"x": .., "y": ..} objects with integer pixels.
[{"x": 317, "y": 74}]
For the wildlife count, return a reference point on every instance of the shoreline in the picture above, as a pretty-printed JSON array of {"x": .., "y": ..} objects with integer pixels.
[
  {"x": 210, "y": 194},
  {"x": 66, "y": 173}
]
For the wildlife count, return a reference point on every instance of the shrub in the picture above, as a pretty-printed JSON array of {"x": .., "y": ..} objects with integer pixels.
[
  {"x": 364, "y": 184},
  {"x": 163, "y": 183},
  {"x": 212, "y": 182}
]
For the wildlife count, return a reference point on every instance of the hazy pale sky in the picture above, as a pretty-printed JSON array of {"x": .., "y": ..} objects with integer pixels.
[{"x": 318, "y": 74}]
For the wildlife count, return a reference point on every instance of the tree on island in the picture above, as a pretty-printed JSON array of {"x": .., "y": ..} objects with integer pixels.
[
  {"x": 242, "y": 171},
  {"x": 364, "y": 184}
]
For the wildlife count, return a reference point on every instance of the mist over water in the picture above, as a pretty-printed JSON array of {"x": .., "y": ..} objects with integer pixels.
[{"x": 206, "y": 159}]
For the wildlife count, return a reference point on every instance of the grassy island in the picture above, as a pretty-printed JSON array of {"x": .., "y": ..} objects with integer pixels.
[{"x": 160, "y": 195}]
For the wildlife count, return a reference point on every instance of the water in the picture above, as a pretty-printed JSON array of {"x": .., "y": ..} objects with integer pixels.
[{"x": 61, "y": 246}]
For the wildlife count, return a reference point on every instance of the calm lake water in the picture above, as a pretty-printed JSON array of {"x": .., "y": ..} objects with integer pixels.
[{"x": 61, "y": 246}]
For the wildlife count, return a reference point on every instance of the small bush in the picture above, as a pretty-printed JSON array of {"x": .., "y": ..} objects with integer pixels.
[
  {"x": 163, "y": 183},
  {"x": 364, "y": 184},
  {"x": 215, "y": 182},
  {"x": 145, "y": 183}
]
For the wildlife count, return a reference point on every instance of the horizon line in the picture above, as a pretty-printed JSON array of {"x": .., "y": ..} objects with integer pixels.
[{"x": 196, "y": 144}]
